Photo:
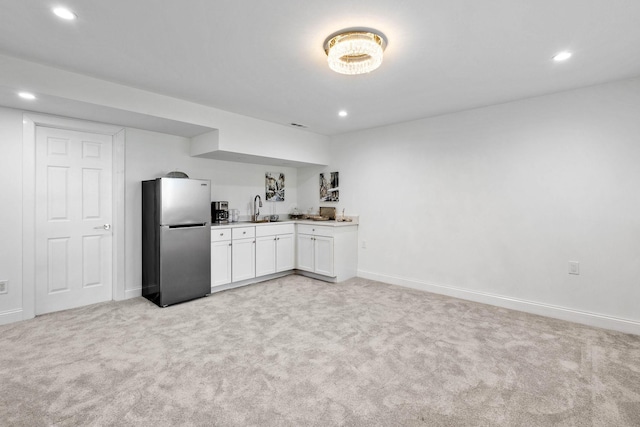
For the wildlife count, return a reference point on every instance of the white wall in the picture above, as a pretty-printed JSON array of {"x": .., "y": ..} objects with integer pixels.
[
  {"x": 151, "y": 155},
  {"x": 495, "y": 202},
  {"x": 11, "y": 212}
]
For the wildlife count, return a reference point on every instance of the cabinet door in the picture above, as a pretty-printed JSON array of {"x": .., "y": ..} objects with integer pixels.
[
  {"x": 323, "y": 259},
  {"x": 285, "y": 255},
  {"x": 265, "y": 255},
  {"x": 220, "y": 263},
  {"x": 243, "y": 259},
  {"x": 305, "y": 252}
]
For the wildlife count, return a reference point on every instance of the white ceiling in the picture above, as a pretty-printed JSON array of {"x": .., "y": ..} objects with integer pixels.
[{"x": 264, "y": 59}]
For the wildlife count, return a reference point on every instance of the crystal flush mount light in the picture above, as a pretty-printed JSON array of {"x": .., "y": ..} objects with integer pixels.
[{"x": 355, "y": 51}]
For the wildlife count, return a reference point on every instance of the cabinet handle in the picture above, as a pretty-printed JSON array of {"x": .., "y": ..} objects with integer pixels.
[
  {"x": 221, "y": 234},
  {"x": 229, "y": 244},
  {"x": 244, "y": 232},
  {"x": 275, "y": 238}
]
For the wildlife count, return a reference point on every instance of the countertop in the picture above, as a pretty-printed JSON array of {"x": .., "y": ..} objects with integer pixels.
[{"x": 330, "y": 223}]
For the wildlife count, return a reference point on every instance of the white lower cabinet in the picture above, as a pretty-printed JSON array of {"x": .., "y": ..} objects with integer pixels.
[
  {"x": 220, "y": 256},
  {"x": 220, "y": 263},
  {"x": 323, "y": 255},
  {"x": 265, "y": 255},
  {"x": 239, "y": 254},
  {"x": 285, "y": 253},
  {"x": 274, "y": 249},
  {"x": 243, "y": 254},
  {"x": 315, "y": 254},
  {"x": 327, "y": 251},
  {"x": 305, "y": 252}
]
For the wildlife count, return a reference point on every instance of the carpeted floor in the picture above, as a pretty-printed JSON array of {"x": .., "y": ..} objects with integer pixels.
[{"x": 299, "y": 352}]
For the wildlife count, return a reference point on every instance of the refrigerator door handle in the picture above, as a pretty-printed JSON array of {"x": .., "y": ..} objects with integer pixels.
[{"x": 201, "y": 225}]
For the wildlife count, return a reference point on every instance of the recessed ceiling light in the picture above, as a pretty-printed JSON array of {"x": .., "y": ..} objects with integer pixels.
[
  {"x": 562, "y": 56},
  {"x": 64, "y": 13},
  {"x": 26, "y": 95},
  {"x": 342, "y": 113}
]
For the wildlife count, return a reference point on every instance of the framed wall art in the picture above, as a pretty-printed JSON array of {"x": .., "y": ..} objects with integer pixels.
[
  {"x": 329, "y": 187},
  {"x": 274, "y": 186}
]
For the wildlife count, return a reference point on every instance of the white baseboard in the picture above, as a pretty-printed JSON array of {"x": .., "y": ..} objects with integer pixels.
[
  {"x": 137, "y": 292},
  {"x": 582, "y": 317},
  {"x": 247, "y": 282},
  {"x": 317, "y": 276},
  {"x": 11, "y": 316},
  {"x": 132, "y": 293}
]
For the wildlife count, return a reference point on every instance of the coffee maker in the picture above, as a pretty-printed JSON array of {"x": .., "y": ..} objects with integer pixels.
[{"x": 219, "y": 212}]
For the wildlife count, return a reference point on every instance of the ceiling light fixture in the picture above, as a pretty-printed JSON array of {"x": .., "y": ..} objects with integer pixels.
[
  {"x": 64, "y": 13},
  {"x": 343, "y": 113},
  {"x": 355, "y": 51},
  {"x": 562, "y": 56},
  {"x": 27, "y": 95}
]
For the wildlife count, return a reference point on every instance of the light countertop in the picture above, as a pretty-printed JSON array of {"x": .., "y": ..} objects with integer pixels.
[{"x": 330, "y": 223}]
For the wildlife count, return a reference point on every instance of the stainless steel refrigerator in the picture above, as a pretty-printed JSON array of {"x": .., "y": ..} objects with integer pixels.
[{"x": 176, "y": 244}]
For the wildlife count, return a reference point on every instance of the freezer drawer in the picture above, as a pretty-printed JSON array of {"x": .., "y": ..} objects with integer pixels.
[
  {"x": 184, "y": 201},
  {"x": 185, "y": 263}
]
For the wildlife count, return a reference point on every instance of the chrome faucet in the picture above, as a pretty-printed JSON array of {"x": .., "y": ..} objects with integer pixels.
[{"x": 256, "y": 207}]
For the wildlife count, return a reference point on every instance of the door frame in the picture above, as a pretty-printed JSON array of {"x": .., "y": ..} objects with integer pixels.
[{"x": 29, "y": 123}]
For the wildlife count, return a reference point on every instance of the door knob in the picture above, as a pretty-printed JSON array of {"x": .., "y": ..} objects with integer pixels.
[{"x": 103, "y": 227}]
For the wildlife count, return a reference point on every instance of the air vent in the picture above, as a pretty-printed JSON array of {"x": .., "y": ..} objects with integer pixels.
[{"x": 298, "y": 125}]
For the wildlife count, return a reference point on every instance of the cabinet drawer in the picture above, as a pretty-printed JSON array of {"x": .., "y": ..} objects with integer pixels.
[
  {"x": 243, "y": 232},
  {"x": 220, "y": 234},
  {"x": 272, "y": 230},
  {"x": 315, "y": 230}
]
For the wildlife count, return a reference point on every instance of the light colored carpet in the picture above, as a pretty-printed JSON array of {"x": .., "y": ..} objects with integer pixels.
[{"x": 299, "y": 352}]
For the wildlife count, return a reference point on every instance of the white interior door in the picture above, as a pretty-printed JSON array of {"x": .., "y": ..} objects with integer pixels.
[{"x": 73, "y": 238}]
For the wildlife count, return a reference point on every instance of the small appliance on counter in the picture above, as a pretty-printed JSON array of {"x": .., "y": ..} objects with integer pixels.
[{"x": 220, "y": 212}]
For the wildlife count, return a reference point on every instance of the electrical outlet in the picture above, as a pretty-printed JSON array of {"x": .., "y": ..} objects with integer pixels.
[
  {"x": 364, "y": 244},
  {"x": 574, "y": 267},
  {"x": 4, "y": 284}
]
